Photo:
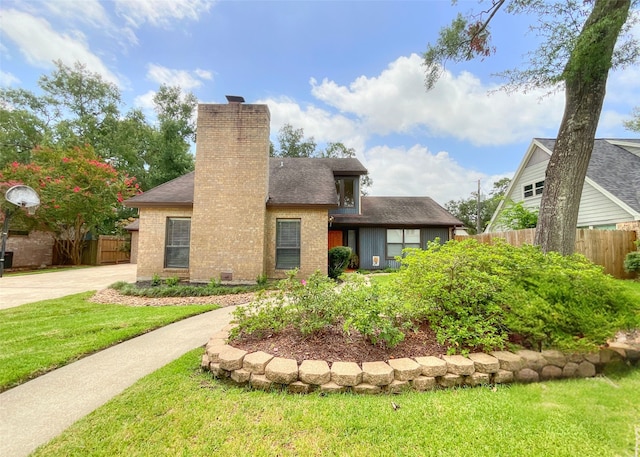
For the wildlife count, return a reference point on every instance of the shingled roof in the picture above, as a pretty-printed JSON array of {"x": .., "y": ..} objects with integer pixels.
[
  {"x": 399, "y": 211},
  {"x": 307, "y": 181},
  {"x": 292, "y": 182},
  {"x": 613, "y": 167},
  {"x": 177, "y": 192}
]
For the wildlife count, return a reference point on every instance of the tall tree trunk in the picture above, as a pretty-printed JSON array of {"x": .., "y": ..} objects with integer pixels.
[{"x": 585, "y": 79}]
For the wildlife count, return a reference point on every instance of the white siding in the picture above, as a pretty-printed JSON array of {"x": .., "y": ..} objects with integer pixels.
[
  {"x": 596, "y": 209},
  {"x": 530, "y": 175}
]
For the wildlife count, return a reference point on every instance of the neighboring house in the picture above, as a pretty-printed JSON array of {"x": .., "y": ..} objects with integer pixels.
[
  {"x": 242, "y": 214},
  {"x": 611, "y": 191}
]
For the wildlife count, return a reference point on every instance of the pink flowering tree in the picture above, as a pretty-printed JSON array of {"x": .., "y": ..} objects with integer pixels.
[{"x": 77, "y": 189}]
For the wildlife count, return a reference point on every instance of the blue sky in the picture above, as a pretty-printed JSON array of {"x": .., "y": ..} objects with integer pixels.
[{"x": 342, "y": 71}]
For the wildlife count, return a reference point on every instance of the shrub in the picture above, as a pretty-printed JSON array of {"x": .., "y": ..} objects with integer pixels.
[
  {"x": 308, "y": 305},
  {"x": 338, "y": 260},
  {"x": 368, "y": 311},
  {"x": 262, "y": 280},
  {"x": 313, "y": 305},
  {"x": 156, "y": 280},
  {"x": 476, "y": 295},
  {"x": 172, "y": 281},
  {"x": 632, "y": 262}
]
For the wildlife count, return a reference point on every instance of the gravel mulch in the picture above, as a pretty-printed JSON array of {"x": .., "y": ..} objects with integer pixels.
[{"x": 112, "y": 296}]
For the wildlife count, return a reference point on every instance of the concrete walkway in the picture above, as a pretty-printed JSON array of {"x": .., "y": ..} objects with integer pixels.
[
  {"x": 18, "y": 290},
  {"x": 37, "y": 411}
]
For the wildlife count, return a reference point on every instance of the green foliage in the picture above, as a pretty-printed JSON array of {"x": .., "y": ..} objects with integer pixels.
[
  {"x": 171, "y": 282},
  {"x": 315, "y": 304},
  {"x": 634, "y": 124},
  {"x": 155, "y": 280},
  {"x": 77, "y": 107},
  {"x": 173, "y": 288},
  {"x": 262, "y": 280},
  {"x": 476, "y": 295},
  {"x": 354, "y": 261},
  {"x": 368, "y": 310},
  {"x": 632, "y": 262},
  {"x": 338, "y": 260},
  {"x": 76, "y": 188},
  {"x": 515, "y": 216}
]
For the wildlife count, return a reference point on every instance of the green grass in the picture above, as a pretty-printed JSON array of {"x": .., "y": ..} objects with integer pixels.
[
  {"x": 179, "y": 410},
  {"x": 39, "y": 337}
]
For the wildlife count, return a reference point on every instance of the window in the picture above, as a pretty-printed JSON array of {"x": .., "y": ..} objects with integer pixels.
[
  {"x": 530, "y": 189},
  {"x": 287, "y": 244},
  {"x": 399, "y": 239},
  {"x": 176, "y": 253},
  {"x": 346, "y": 190}
]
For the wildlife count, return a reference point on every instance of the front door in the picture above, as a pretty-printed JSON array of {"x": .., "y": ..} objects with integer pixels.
[{"x": 335, "y": 238}]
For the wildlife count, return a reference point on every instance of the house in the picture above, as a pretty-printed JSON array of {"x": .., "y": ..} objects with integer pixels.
[
  {"x": 242, "y": 214},
  {"x": 611, "y": 191}
]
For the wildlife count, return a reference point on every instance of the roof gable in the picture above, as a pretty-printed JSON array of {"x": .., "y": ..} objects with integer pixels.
[{"x": 614, "y": 168}]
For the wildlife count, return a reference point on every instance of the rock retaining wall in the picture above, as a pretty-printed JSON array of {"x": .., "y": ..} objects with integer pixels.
[{"x": 265, "y": 371}]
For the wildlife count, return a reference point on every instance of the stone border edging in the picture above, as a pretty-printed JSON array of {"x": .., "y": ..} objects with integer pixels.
[{"x": 265, "y": 371}]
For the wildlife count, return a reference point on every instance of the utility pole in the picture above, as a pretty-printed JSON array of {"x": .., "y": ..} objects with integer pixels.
[{"x": 478, "y": 225}]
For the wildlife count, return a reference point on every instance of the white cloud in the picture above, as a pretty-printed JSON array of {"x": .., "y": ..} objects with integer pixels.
[
  {"x": 418, "y": 171},
  {"x": 145, "y": 102},
  {"x": 160, "y": 13},
  {"x": 7, "y": 79},
  {"x": 459, "y": 106},
  {"x": 320, "y": 124},
  {"x": 89, "y": 12},
  {"x": 41, "y": 44},
  {"x": 185, "y": 79},
  {"x": 203, "y": 74}
]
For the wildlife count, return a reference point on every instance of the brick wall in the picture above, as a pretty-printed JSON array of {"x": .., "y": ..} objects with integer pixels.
[
  {"x": 313, "y": 240},
  {"x": 231, "y": 188},
  {"x": 633, "y": 226},
  {"x": 153, "y": 223},
  {"x": 34, "y": 250}
]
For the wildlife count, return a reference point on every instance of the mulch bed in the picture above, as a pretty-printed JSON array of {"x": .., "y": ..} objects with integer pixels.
[{"x": 333, "y": 345}]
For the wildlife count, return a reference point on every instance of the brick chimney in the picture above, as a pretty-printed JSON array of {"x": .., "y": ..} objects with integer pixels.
[{"x": 230, "y": 192}]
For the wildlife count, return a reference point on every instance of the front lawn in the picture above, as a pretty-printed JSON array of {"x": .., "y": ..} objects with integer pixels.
[
  {"x": 39, "y": 337},
  {"x": 179, "y": 410}
]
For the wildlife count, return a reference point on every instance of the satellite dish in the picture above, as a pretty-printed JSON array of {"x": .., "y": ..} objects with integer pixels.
[{"x": 23, "y": 196}]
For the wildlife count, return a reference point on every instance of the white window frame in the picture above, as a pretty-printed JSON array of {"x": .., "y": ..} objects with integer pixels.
[{"x": 407, "y": 240}]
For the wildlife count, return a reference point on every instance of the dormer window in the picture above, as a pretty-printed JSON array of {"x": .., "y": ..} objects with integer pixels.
[{"x": 346, "y": 190}]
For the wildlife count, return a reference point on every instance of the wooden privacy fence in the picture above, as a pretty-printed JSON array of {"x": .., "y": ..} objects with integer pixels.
[
  {"x": 113, "y": 249},
  {"x": 603, "y": 247}
]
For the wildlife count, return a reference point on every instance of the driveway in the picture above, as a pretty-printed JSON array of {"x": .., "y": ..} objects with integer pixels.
[{"x": 18, "y": 290}]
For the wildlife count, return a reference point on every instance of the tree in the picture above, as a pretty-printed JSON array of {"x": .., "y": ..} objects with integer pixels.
[
  {"x": 292, "y": 143},
  {"x": 466, "y": 209},
  {"x": 578, "y": 50},
  {"x": 76, "y": 190},
  {"x": 79, "y": 107},
  {"x": 634, "y": 124},
  {"x": 515, "y": 216},
  {"x": 169, "y": 153}
]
